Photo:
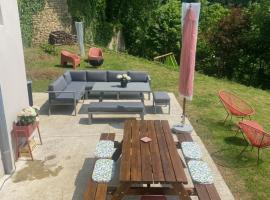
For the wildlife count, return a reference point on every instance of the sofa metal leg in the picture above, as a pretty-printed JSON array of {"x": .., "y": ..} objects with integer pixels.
[
  {"x": 90, "y": 117},
  {"x": 49, "y": 111},
  {"x": 142, "y": 116},
  {"x": 75, "y": 109}
]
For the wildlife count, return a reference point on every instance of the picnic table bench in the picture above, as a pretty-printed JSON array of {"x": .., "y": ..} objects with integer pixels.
[
  {"x": 149, "y": 163},
  {"x": 203, "y": 191},
  {"x": 94, "y": 190}
]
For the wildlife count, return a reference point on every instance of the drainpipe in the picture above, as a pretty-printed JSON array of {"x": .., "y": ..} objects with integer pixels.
[{"x": 4, "y": 140}]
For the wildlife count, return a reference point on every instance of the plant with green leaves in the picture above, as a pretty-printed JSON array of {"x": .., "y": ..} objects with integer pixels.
[{"x": 27, "y": 9}]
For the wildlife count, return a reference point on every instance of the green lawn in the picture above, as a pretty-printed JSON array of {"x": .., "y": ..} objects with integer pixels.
[{"x": 244, "y": 177}]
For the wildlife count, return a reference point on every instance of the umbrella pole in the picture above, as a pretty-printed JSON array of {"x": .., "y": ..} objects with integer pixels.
[{"x": 184, "y": 112}]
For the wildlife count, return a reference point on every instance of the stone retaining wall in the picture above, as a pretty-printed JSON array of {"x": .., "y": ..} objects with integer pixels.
[{"x": 54, "y": 17}]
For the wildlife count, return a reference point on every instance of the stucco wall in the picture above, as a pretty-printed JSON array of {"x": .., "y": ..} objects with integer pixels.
[{"x": 12, "y": 74}]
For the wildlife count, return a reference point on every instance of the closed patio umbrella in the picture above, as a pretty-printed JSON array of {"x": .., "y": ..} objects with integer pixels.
[{"x": 187, "y": 64}]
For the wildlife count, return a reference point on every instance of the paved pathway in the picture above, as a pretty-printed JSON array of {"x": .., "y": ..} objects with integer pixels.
[{"x": 62, "y": 164}]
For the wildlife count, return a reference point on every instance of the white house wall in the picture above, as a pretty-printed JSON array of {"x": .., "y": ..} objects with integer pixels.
[{"x": 12, "y": 68}]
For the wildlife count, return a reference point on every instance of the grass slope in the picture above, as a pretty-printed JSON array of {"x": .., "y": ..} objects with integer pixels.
[{"x": 244, "y": 177}]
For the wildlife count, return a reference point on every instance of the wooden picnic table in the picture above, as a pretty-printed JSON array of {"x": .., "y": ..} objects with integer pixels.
[{"x": 150, "y": 163}]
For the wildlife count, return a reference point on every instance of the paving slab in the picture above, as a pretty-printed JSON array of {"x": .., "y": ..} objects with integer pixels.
[{"x": 63, "y": 163}]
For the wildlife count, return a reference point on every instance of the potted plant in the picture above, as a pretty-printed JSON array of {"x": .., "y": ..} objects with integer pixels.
[
  {"x": 27, "y": 120},
  {"x": 124, "y": 79}
]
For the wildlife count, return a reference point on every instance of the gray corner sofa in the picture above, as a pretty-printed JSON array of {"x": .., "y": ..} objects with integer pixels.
[{"x": 71, "y": 87}]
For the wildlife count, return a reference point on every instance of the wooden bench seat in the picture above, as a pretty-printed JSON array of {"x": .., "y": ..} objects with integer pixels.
[
  {"x": 203, "y": 191},
  {"x": 94, "y": 190}
]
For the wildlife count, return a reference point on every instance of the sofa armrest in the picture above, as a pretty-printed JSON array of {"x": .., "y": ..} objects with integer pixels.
[{"x": 149, "y": 79}]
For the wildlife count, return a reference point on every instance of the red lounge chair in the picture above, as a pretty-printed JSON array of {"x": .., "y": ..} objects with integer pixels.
[
  {"x": 67, "y": 57},
  {"x": 95, "y": 56},
  {"x": 255, "y": 135},
  {"x": 234, "y": 105}
]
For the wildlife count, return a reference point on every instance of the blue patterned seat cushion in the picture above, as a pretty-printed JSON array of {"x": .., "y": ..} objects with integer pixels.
[
  {"x": 191, "y": 150},
  {"x": 103, "y": 171},
  {"x": 104, "y": 149},
  {"x": 200, "y": 172}
]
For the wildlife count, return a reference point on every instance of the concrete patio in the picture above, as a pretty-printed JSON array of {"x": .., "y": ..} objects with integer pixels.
[{"x": 62, "y": 164}]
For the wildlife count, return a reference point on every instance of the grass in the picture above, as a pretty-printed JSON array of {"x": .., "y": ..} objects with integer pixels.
[{"x": 245, "y": 179}]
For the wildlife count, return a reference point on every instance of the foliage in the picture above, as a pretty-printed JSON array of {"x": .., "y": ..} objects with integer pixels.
[
  {"x": 136, "y": 18},
  {"x": 49, "y": 49},
  {"x": 92, "y": 13},
  {"x": 27, "y": 116},
  {"x": 27, "y": 9},
  {"x": 163, "y": 34}
]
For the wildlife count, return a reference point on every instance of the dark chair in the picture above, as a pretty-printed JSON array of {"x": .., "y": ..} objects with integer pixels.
[{"x": 95, "y": 56}]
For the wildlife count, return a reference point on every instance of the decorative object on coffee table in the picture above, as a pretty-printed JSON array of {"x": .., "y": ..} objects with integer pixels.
[
  {"x": 124, "y": 78},
  {"x": 146, "y": 139}
]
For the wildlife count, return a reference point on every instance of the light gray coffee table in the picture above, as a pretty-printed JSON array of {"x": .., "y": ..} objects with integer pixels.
[{"x": 132, "y": 87}]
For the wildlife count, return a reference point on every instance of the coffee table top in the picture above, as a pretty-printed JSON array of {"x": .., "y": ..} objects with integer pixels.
[
  {"x": 115, "y": 87},
  {"x": 155, "y": 162}
]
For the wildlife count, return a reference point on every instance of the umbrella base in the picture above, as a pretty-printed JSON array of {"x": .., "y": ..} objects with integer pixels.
[{"x": 182, "y": 128}]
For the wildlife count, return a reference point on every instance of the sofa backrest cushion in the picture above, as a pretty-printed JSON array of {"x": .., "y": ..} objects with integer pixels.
[
  {"x": 96, "y": 76},
  {"x": 112, "y": 75},
  {"x": 58, "y": 85},
  {"x": 67, "y": 77},
  {"x": 138, "y": 76},
  {"x": 78, "y": 75}
]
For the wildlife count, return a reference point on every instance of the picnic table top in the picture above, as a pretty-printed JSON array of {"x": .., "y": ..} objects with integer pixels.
[{"x": 155, "y": 162}]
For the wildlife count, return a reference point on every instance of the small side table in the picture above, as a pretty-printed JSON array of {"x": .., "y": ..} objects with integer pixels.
[{"x": 25, "y": 132}]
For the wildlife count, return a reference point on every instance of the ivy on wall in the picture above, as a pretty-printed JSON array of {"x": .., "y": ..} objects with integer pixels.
[
  {"x": 92, "y": 13},
  {"x": 27, "y": 9}
]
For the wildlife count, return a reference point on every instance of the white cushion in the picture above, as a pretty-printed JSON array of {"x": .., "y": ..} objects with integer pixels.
[
  {"x": 103, "y": 170},
  {"x": 104, "y": 149},
  {"x": 200, "y": 172},
  {"x": 191, "y": 150}
]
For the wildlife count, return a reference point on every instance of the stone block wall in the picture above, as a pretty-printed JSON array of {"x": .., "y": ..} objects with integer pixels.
[{"x": 54, "y": 17}]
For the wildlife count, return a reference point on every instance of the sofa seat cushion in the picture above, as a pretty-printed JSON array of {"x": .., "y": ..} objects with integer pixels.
[
  {"x": 68, "y": 97},
  {"x": 96, "y": 76},
  {"x": 76, "y": 86},
  {"x": 112, "y": 75},
  {"x": 89, "y": 85},
  {"x": 116, "y": 107},
  {"x": 58, "y": 85},
  {"x": 137, "y": 76},
  {"x": 78, "y": 76}
]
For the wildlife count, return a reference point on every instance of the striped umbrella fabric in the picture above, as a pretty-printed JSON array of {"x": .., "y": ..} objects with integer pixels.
[{"x": 188, "y": 55}]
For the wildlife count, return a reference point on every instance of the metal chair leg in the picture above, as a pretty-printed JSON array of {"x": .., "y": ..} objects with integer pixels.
[
  {"x": 226, "y": 118},
  {"x": 258, "y": 158},
  {"x": 243, "y": 150}
]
